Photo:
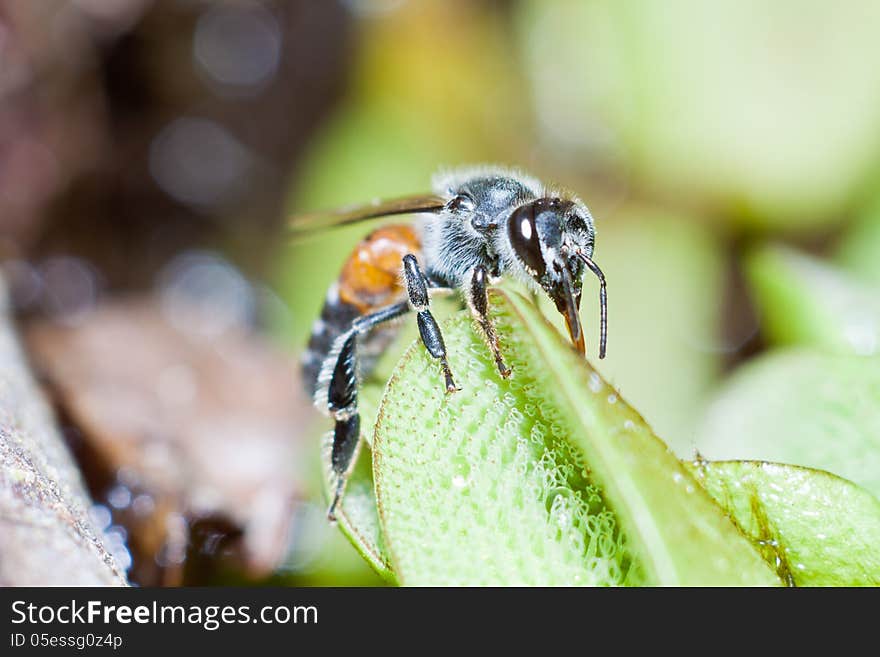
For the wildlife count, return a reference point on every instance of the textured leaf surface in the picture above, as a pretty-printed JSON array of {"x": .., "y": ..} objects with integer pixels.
[
  {"x": 814, "y": 528},
  {"x": 545, "y": 478}
]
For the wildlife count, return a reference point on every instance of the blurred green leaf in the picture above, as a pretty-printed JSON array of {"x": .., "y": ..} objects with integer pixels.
[
  {"x": 814, "y": 528},
  {"x": 733, "y": 104},
  {"x": 859, "y": 250},
  {"x": 465, "y": 88},
  {"x": 803, "y": 300},
  {"x": 801, "y": 407},
  {"x": 538, "y": 478}
]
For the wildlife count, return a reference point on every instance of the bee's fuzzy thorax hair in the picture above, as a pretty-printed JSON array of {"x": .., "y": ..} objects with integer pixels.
[{"x": 447, "y": 180}]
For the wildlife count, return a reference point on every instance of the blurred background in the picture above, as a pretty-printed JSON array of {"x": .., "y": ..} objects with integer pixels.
[{"x": 152, "y": 151}]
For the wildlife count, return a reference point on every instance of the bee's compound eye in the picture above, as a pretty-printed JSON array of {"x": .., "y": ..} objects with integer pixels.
[{"x": 524, "y": 238}]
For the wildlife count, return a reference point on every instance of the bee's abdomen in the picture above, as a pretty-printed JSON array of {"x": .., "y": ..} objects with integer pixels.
[{"x": 370, "y": 280}]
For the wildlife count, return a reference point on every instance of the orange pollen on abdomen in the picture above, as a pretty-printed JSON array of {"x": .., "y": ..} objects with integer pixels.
[{"x": 371, "y": 277}]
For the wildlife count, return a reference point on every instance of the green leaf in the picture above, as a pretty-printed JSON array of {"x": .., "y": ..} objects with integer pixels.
[
  {"x": 805, "y": 301},
  {"x": 548, "y": 477},
  {"x": 801, "y": 407},
  {"x": 664, "y": 91},
  {"x": 859, "y": 248},
  {"x": 816, "y": 529}
]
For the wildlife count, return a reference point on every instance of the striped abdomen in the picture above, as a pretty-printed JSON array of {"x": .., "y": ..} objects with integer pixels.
[{"x": 370, "y": 280}]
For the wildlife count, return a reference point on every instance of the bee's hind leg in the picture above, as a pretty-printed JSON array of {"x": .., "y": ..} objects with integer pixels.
[
  {"x": 432, "y": 338},
  {"x": 342, "y": 396}
]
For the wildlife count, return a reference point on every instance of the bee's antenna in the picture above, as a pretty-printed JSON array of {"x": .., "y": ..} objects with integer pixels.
[{"x": 603, "y": 301}]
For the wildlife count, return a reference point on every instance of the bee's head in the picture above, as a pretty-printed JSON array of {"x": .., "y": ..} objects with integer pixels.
[{"x": 552, "y": 240}]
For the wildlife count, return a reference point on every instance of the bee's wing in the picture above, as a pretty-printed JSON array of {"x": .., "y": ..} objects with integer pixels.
[{"x": 304, "y": 224}]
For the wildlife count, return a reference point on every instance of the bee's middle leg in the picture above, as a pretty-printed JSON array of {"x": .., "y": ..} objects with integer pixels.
[
  {"x": 478, "y": 300},
  {"x": 432, "y": 338}
]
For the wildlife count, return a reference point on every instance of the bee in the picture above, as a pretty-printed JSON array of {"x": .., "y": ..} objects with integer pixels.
[{"x": 479, "y": 225}]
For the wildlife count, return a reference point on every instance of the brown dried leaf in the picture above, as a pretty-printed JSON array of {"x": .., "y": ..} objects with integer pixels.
[{"x": 196, "y": 432}]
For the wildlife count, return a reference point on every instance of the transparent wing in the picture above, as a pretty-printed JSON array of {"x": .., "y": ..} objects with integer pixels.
[{"x": 311, "y": 222}]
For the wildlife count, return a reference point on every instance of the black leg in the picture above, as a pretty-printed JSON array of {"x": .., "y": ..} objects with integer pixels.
[
  {"x": 478, "y": 299},
  {"x": 342, "y": 395},
  {"x": 346, "y": 435},
  {"x": 417, "y": 290}
]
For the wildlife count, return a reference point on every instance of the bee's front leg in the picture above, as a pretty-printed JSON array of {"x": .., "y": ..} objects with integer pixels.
[
  {"x": 417, "y": 291},
  {"x": 478, "y": 300}
]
